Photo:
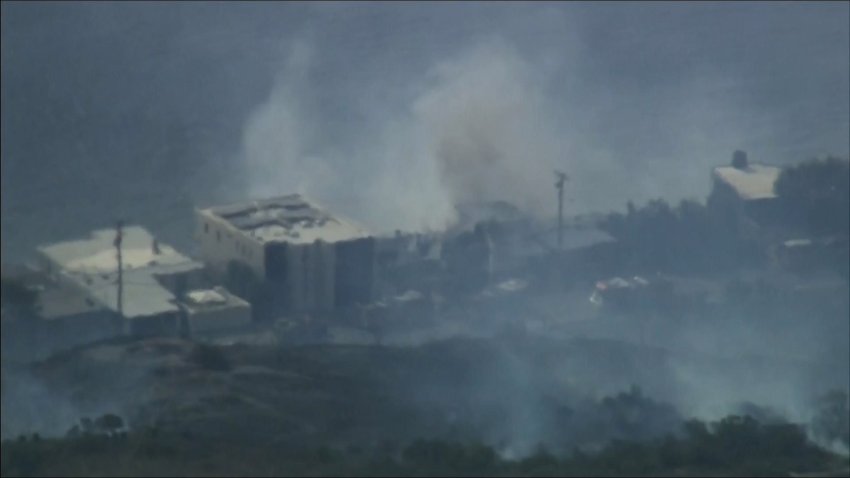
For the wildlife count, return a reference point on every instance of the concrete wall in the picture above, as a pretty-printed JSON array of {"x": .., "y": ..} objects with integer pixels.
[
  {"x": 354, "y": 271},
  {"x": 79, "y": 329},
  {"x": 319, "y": 276},
  {"x": 310, "y": 277},
  {"x": 32, "y": 338},
  {"x": 299, "y": 277},
  {"x": 203, "y": 322},
  {"x": 221, "y": 243},
  {"x": 165, "y": 324},
  {"x": 179, "y": 282}
]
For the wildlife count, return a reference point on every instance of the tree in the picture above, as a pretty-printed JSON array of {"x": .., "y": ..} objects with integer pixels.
[
  {"x": 210, "y": 357},
  {"x": 816, "y": 195},
  {"x": 109, "y": 423},
  {"x": 663, "y": 238}
]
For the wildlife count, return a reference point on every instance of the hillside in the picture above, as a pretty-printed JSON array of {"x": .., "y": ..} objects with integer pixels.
[{"x": 511, "y": 393}]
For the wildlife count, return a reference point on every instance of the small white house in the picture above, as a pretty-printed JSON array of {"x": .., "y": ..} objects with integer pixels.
[{"x": 215, "y": 311}]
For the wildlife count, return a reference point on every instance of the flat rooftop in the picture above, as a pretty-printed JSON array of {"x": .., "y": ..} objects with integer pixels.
[
  {"x": 291, "y": 218},
  {"x": 97, "y": 253},
  {"x": 59, "y": 301},
  {"x": 754, "y": 182},
  {"x": 215, "y": 298},
  {"x": 54, "y": 300},
  {"x": 92, "y": 263},
  {"x": 143, "y": 294}
]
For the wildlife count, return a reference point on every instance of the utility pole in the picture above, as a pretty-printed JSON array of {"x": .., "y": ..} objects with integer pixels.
[
  {"x": 559, "y": 185},
  {"x": 118, "y": 238}
]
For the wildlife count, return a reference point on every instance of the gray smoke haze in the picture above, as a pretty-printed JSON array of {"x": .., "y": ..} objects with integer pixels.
[
  {"x": 391, "y": 113},
  {"x": 492, "y": 117},
  {"x": 30, "y": 407},
  {"x": 476, "y": 131}
]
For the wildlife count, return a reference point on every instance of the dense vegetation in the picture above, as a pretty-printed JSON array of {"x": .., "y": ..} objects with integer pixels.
[
  {"x": 734, "y": 445},
  {"x": 659, "y": 237},
  {"x": 816, "y": 195}
]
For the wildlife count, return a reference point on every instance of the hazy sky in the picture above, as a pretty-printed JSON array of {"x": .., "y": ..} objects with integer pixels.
[{"x": 393, "y": 112}]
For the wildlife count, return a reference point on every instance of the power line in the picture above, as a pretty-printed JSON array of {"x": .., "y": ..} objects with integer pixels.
[{"x": 118, "y": 239}]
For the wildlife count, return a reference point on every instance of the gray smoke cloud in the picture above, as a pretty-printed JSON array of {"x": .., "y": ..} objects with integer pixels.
[
  {"x": 279, "y": 136},
  {"x": 493, "y": 117},
  {"x": 476, "y": 131},
  {"x": 391, "y": 114}
]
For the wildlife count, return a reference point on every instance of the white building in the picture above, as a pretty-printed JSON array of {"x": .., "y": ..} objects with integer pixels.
[
  {"x": 153, "y": 276},
  {"x": 307, "y": 259},
  {"x": 61, "y": 317},
  {"x": 752, "y": 183},
  {"x": 215, "y": 311},
  {"x": 744, "y": 193}
]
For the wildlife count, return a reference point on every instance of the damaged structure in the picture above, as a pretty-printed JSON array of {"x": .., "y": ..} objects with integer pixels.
[
  {"x": 504, "y": 244},
  {"x": 295, "y": 255}
]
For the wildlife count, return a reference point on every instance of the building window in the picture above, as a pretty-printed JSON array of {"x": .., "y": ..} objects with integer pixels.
[
  {"x": 218, "y": 236},
  {"x": 206, "y": 228}
]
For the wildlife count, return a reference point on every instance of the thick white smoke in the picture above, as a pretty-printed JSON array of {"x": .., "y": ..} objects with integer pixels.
[
  {"x": 475, "y": 131},
  {"x": 280, "y": 135},
  {"x": 487, "y": 123},
  {"x": 487, "y": 130}
]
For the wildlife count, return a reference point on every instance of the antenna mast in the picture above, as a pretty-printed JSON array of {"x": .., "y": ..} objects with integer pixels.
[
  {"x": 118, "y": 238},
  {"x": 559, "y": 185}
]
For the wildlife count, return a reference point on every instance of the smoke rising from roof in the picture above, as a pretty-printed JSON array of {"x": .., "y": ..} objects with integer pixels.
[
  {"x": 491, "y": 118},
  {"x": 393, "y": 114},
  {"x": 477, "y": 131}
]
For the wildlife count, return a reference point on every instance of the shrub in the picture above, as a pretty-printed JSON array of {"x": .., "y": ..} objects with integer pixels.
[
  {"x": 816, "y": 194},
  {"x": 441, "y": 456},
  {"x": 109, "y": 423},
  {"x": 210, "y": 357}
]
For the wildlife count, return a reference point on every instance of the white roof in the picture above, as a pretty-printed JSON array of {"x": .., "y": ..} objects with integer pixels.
[
  {"x": 217, "y": 297},
  {"x": 331, "y": 231},
  {"x": 206, "y": 296},
  {"x": 92, "y": 263},
  {"x": 143, "y": 294},
  {"x": 97, "y": 253},
  {"x": 290, "y": 218},
  {"x": 754, "y": 182}
]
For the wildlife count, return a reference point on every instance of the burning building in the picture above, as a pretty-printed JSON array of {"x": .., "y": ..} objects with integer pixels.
[{"x": 299, "y": 256}]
